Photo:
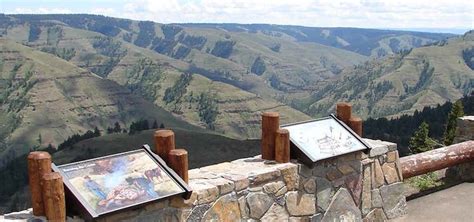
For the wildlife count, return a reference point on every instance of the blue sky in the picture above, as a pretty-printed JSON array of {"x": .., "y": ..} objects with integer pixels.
[{"x": 431, "y": 15}]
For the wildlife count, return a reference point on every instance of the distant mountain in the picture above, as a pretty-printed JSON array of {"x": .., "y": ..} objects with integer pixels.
[
  {"x": 217, "y": 76},
  {"x": 457, "y": 31},
  {"x": 368, "y": 42},
  {"x": 402, "y": 83}
]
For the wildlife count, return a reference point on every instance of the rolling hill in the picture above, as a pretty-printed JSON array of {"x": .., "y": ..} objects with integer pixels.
[
  {"x": 221, "y": 76},
  {"x": 44, "y": 100},
  {"x": 369, "y": 42},
  {"x": 267, "y": 62},
  {"x": 220, "y": 99},
  {"x": 200, "y": 146},
  {"x": 402, "y": 83}
]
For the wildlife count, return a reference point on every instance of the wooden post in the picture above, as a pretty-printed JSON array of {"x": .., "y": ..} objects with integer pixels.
[
  {"x": 355, "y": 123},
  {"x": 270, "y": 125},
  {"x": 164, "y": 143},
  {"x": 53, "y": 195},
  {"x": 282, "y": 146},
  {"x": 344, "y": 112},
  {"x": 178, "y": 161},
  {"x": 39, "y": 163}
]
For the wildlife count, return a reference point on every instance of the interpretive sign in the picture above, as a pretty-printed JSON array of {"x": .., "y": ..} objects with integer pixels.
[
  {"x": 119, "y": 181},
  {"x": 323, "y": 138}
]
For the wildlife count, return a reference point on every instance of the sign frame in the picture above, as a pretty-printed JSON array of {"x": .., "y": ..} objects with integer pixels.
[
  {"x": 82, "y": 206},
  {"x": 298, "y": 152}
]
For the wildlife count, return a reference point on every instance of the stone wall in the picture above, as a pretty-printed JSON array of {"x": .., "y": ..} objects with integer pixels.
[
  {"x": 464, "y": 132},
  {"x": 352, "y": 187},
  {"x": 465, "y": 129}
]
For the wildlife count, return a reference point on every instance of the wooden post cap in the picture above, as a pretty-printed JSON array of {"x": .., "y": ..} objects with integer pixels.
[
  {"x": 164, "y": 143},
  {"x": 178, "y": 161},
  {"x": 270, "y": 124},
  {"x": 53, "y": 195},
  {"x": 271, "y": 114},
  {"x": 282, "y": 146},
  {"x": 39, "y": 155},
  {"x": 355, "y": 123},
  {"x": 39, "y": 163},
  {"x": 344, "y": 111},
  {"x": 164, "y": 133}
]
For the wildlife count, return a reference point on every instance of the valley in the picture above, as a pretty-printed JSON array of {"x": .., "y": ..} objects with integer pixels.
[{"x": 62, "y": 75}]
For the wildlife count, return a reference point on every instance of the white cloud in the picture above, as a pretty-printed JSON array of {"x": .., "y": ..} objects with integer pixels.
[{"x": 42, "y": 10}]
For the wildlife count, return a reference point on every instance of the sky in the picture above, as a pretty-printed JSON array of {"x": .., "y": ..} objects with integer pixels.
[{"x": 455, "y": 16}]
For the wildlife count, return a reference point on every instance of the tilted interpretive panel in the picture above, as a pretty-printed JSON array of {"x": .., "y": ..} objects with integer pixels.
[
  {"x": 111, "y": 183},
  {"x": 323, "y": 138}
]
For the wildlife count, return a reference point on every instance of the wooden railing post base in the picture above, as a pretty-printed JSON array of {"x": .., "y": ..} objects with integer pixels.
[
  {"x": 178, "y": 161},
  {"x": 164, "y": 143},
  {"x": 53, "y": 195},
  {"x": 39, "y": 163},
  {"x": 355, "y": 123},
  {"x": 282, "y": 146},
  {"x": 270, "y": 125},
  {"x": 344, "y": 112}
]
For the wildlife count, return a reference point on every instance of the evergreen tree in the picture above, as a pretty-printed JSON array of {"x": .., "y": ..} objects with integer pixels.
[
  {"x": 155, "y": 125},
  {"x": 145, "y": 125},
  {"x": 96, "y": 132},
  {"x": 133, "y": 128},
  {"x": 136, "y": 127},
  {"x": 117, "y": 128},
  {"x": 50, "y": 149},
  {"x": 420, "y": 141},
  {"x": 456, "y": 111}
]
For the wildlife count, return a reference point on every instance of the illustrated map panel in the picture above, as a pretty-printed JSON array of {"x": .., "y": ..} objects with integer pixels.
[
  {"x": 321, "y": 139},
  {"x": 119, "y": 181}
]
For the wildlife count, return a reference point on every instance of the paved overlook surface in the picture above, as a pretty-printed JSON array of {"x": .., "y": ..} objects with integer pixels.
[{"x": 453, "y": 204}]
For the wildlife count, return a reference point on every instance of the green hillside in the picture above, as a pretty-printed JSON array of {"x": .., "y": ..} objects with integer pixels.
[
  {"x": 221, "y": 76},
  {"x": 402, "y": 83},
  {"x": 44, "y": 100},
  {"x": 273, "y": 62},
  {"x": 211, "y": 92},
  {"x": 399, "y": 130},
  {"x": 369, "y": 42},
  {"x": 203, "y": 148}
]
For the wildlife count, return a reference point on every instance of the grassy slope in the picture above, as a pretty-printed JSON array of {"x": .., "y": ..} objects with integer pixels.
[
  {"x": 306, "y": 59},
  {"x": 239, "y": 110},
  {"x": 66, "y": 100},
  {"x": 450, "y": 79},
  {"x": 203, "y": 148},
  {"x": 298, "y": 66},
  {"x": 368, "y": 42}
]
